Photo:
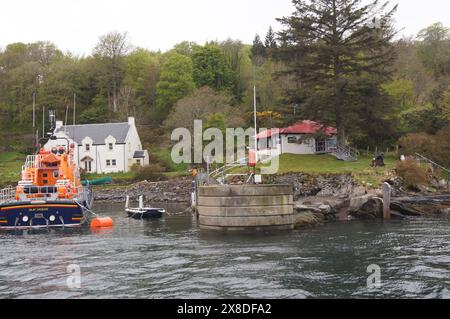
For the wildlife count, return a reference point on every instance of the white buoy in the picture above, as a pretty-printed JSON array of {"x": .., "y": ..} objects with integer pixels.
[{"x": 141, "y": 201}]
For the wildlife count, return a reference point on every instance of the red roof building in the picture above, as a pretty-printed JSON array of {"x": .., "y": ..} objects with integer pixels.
[
  {"x": 299, "y": 139},
  {"x": 303, "y": 127}
]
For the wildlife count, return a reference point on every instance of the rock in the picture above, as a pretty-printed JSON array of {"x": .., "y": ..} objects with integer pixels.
[
  {"x": 306, "y": 219},
  {"x": 303, "y": 208},
  {"x": 371, "y": 209},
  {"x": 357, "y": 202},
  {"x": 326, "y": 209}
]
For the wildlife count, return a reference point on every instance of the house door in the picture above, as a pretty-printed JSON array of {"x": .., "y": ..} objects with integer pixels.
[
  {"x": 88, "y": 166},
  {"x": 321, "y": 146}
]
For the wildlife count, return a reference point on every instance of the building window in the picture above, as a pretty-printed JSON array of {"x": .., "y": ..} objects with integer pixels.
[
  {"x": 88, "y": 147},
  {"x": 108, "y": 162},
  {"x": 114, "y": 162},
  {"x": 138, "y": 162},
  {"x": 292, "y": 140},
  {"x": 111, "y": 146}
]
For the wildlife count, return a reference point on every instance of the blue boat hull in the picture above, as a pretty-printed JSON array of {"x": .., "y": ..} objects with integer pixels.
[{"x": 47, "y": 214}]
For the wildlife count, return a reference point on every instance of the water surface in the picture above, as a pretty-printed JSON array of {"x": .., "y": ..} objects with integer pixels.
[{"x": 172, "y": 258}]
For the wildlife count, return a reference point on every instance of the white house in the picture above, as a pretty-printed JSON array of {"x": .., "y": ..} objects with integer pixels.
[
  {"x": 305, "y": 137},
  {"x": 102, "y": 148}
]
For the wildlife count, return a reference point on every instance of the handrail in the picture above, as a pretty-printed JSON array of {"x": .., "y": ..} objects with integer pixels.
[
  {"x": 433, "y": 163},
  {"x": 7, "y": 194}
]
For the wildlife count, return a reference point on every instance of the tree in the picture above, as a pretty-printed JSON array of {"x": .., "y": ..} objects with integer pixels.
[
  {"x": 111, "y": 50},
  {"x": 328, "y": 45},
  {"x": 434, "y": 49},
  {"x": 270, "y": 41},
  {"x": 176, "y": 81},
  {"x": 185, "y": 48},
  {"x": 197, "y": 106},
  {"x": 211, "y": 69},
  {"x": 258, "y": 51},
  {"x": 142, "y": 72},
  {"x": 236, "y": 56}
]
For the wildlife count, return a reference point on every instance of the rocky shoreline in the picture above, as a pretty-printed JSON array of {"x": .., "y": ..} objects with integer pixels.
[
  {"x": 318, "y": 199},
  {"x": 176, "y": 190}
]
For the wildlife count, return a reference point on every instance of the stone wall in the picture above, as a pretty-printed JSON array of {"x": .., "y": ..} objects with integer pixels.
[{"x": 245, "y": 207}]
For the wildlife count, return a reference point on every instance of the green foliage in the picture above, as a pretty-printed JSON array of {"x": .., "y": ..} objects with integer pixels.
[
  {"x": 211, "y": 69},
  {"x": 434, "y": 49},
  {"x": 331, "y": 62},
  {"x": 176, "y": 81},
  {"x": 151, "y": 173},
  {"x": 258, "y": 51},
  {"x": 162, "y": 157}
]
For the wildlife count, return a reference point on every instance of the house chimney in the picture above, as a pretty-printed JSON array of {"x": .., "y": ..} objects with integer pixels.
[{"x": 131, "y": 121}]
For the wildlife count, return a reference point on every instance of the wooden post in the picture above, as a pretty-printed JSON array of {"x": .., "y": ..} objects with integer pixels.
[{"x": 386, "y": 201}]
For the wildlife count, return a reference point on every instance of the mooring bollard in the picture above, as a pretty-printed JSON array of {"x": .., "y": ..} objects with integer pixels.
[{"x": 387, "y": 201}]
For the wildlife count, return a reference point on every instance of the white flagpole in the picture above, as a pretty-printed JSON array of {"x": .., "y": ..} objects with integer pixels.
[{"x": 254, "y": 114}]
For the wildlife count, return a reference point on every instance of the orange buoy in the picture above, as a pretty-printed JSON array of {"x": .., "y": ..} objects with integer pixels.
[{"x": 102, "y": 222}]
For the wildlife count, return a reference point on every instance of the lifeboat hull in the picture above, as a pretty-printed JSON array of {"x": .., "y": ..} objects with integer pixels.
[{"x": 23, "y": 215}]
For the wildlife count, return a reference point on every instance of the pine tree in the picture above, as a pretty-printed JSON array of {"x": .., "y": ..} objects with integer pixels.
[
  {"x": 258, "y": 50},
  {"x": 270, "y": 42},
  {"x": 329, "y": 46}
]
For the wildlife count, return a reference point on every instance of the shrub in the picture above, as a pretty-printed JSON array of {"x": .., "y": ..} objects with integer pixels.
[
  {"x": 151, "y": 173},
  {"x": 421, "y": 143},
  {"x": 411, "y": 173}
]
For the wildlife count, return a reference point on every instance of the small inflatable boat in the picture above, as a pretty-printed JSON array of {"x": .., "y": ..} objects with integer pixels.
[{"x": 142, "y": 212}]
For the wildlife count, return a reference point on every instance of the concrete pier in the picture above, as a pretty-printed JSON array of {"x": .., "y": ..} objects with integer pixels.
[{"x": 246, "y": 207}]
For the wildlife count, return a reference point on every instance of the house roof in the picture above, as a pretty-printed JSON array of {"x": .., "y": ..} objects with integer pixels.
[
  {"x": 308, "y": 127},
  {"x": 139, "y": 154},
  {"x": 97, "y": 132},
  {"x": 303, "y": 127}
]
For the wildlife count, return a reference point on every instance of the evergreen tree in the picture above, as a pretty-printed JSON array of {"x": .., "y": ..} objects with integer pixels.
[
  {"x": 258, "y": 50},
  {"x": 329, "y": 46},
  {"x": 270, "y": 42},
  {"x": 211, "y": 69}
]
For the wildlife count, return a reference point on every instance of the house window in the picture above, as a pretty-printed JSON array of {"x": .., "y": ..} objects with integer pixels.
[
  {"x": 108, "y": 162},
  {"x": 111, "y": 146},
  {"x": 88, "y": 147},
  {"x": 55, "y": 174},
  {"x": 114, "y": 162},
  {"x": 138, "y": 162},
  {"x": 292, "y": 140}
]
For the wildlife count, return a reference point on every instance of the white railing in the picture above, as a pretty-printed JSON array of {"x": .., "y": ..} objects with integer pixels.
[
  {"x": 33, "y": 161},
  {"x": 7, "y": 194}
]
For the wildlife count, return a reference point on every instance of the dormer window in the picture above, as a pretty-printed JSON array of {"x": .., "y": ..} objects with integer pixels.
[
  {"x": 110, "y": 146},
  {"x": 88, "y": 147}
]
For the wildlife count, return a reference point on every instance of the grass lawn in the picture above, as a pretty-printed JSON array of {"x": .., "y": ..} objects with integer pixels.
[
  {"x": 327, "y": 164},
  {"x": 10, "y": 167}
]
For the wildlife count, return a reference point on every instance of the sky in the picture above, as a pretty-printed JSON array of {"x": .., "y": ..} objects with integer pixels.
[{"x": 75, "y": 25}]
